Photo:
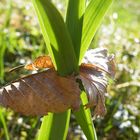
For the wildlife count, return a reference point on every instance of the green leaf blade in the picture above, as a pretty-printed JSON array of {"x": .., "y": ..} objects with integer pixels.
[
  {"x": 74, "y": 22},
  {"x": 83, "y": 117},
  {"x": 50, "y": 128},
  {"x": 92, "y": 19},
  {"x": 2, "y": 119},
  {"x": 56, "y": 36}
]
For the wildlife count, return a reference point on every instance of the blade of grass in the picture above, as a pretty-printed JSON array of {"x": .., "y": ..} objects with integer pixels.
[
  {"x": 4, "y": 124},
  {"x": 50, "y": 122},
  {"x": 61, "y": 49},
  {"x": 2, "y": 48},
  {"x": 46, "y": 125},
  {"x": 92, "y": 19},
  {"x": 83, "y": 117},
  {"x": 74, "y": 20}
]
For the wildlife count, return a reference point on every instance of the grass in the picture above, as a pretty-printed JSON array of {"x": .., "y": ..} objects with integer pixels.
[{"x": 4, "y": 124}]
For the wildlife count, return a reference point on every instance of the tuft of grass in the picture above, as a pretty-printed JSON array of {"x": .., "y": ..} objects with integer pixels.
[{"x": 69, "y": 42}]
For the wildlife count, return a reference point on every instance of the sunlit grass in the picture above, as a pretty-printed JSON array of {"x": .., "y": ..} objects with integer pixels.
[{"x": 3, "y": 121}]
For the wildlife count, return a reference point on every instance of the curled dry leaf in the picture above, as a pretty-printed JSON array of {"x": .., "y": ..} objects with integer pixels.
[
  {"x": 96, "y": 86},
  {"x": 45, "y": 92},
  {"x": 99, "y": 57},
  {"x": 41, "y": 93},
  {"x": 93, "y": 73}
]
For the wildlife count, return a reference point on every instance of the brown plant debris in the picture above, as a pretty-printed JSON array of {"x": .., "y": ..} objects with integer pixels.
[
  {"x": 44, "y": 92},
  {"x": 93, "y": 73}
]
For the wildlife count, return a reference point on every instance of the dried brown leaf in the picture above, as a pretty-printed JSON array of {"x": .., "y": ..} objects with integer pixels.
[
  {"x": 96, "y": 86},
  {"x": 93, "y": 73},
  {"x": 41, "y": 93},
  {"x": 100, "y": 59}
]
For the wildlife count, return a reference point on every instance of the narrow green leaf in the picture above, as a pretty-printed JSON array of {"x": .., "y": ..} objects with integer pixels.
[
  {"x": 45, "y": 127},
  {"x": 2, "y": 119},
  {"x": 83, "y": 117},
  {"x": 74, "y": 22},
  {"x": 92, "y": 19},
  {"x": 2, "y": 48},
  {"x": 58, "y": 123},
  {"x": 56, "y": 36}
]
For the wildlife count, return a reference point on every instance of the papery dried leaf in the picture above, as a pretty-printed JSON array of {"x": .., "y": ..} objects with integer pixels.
[
  {"x": 40, "y": 62},
  {"x": 41, "y": 93},
  {"x": 100, "y": 58},
  {"x": 93, "y": 73},
  {"x": 94, "y": 67},
  {"x": 96, "y": 86}
]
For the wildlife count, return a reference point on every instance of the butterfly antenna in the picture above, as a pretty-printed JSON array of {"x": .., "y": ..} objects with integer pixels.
[{"x": 16, "y": 68}]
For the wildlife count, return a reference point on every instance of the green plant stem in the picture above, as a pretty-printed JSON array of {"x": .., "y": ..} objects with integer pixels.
[
  {"x": 4, "y": 124},
  {"x": 57, "y": 123},
  {"x": 83, "y": 117}
]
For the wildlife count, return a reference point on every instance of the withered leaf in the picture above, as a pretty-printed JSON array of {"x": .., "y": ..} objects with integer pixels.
[
  {"x": 93, "y": 73},
  {"x": 41, "y": 93},
  {"x": 99, "y": 57},
  {"x": 96, "y": 86}
]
